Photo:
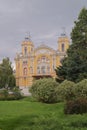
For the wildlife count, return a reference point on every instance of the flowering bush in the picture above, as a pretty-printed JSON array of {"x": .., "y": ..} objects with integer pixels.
[
  {"x": 66, "y": 90},
  {"x": 44, "y": 90},
  {"x": 81, "y": 89}
]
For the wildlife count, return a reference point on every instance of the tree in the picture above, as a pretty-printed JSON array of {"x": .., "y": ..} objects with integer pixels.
[
  {"x": 7, "y": 78},
  {"x": 74, "y": 67}
]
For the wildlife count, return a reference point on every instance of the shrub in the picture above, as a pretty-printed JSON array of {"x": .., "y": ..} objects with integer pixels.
[
  {"x": 5, "y": 93},
  {"x": 17, "y": 93},
  {"x": 81, "y": 89},
  {"x": 76, "y": 106},
  {"x": 44, "y": 90},
  {"x": 66, "y": 90},
  {"x": 10, "y": 95}
]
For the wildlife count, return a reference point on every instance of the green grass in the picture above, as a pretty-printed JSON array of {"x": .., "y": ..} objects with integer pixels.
[{"x": 28, "y": 115}]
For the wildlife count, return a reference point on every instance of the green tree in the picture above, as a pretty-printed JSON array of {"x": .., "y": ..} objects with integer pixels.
[
  {"x": 7, "y": 78},
  {"x": 74, "y": 67},
  {"x": 11, "y": 81}
]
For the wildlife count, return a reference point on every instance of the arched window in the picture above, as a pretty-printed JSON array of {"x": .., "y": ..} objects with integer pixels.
[
  {"x": 39, "y": 61},
  {"x": 63, "y": 47},
  {"x": 24, "y": 63},
  {"x": 25, "y": 71},
  {"x": 48, "y": 69},
  {"x": 25, "y": 50},
  {"x": 18, "y": 65},
  {"x": 43, "y": 70},
  {"x": 31, "y": 48},
  {"x": 38, "y": 70},
  {"x": 43, "y": 58}
]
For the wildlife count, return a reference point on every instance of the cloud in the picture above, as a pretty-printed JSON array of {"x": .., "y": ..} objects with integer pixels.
[{"x": 43, "y": 18}]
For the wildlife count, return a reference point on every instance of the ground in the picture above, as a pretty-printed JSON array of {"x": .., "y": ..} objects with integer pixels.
[{"x": 30, "y": 115}]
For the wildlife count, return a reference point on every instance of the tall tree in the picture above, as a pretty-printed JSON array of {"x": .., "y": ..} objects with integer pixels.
[
  {"x": 7, "y": 78},
  {"x": 74, "y": 67}
]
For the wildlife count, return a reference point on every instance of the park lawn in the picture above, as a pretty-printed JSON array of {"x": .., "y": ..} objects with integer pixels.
[{"x": 30, "y": 115}]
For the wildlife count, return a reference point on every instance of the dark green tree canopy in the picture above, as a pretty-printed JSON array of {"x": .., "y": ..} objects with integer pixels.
[
  {"x": 7, "y": 78},
  {"x": 74, "y": 67}
]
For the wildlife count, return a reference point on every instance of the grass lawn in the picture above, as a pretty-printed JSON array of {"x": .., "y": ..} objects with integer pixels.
[{"x": 28, "y": 115}]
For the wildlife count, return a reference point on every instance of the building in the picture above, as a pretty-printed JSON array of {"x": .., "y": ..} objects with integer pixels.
[{"x": 35, "y": 63}]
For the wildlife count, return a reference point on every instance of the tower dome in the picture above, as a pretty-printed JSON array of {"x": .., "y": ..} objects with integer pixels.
[
  {"x": 63, "y": 42},
  {"x": 27, "y": 45}
]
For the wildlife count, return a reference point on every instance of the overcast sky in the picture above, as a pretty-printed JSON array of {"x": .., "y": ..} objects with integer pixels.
[{"x": 44, "y": 19}]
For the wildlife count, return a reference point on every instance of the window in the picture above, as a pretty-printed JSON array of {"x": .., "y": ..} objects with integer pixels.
[
  {"x": 38, "y": 60},
  {"x": 53, "y": 67},
  {"x": 43, "y": 58},
  {"x": 43, "y": 65},
  {"x": 38, "y": 70},
  {"x": 47, "y": 60},
  {"x": 63, "y": 47},
  {"x": 25, "y": 71},
  {"x": 48, "y": 69},
  {"x": 43, "y": 70},
  {"x": 18, "y": 65},
  {"x": 24, "y": 63},
  {"x": 32, "y": 49},
  {"x": 25, "y": 50}
]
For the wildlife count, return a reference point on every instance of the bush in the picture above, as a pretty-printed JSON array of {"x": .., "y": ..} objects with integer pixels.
[
  {"x": 81, "y": 89},
  {"x": 77, "y": 106},
  {"x": 5, "y": 93},
  {"x": 10, "y": 95},
  {"x": 17, "y": 93},
  {"x": 44, "y": 90},
  {"x": 66, "y": 90}
]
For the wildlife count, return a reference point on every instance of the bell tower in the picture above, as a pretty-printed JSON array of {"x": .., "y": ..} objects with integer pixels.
[
  {"x": 63, "y": 42},
  {"x": 27, "y": 46}
]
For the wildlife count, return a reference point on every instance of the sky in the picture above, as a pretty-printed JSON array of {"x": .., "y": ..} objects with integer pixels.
[{"x": 43, "y": 19}]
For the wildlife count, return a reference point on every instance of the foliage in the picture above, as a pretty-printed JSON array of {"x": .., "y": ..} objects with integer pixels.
[
  {"x": 26, "y": 115},
  {"x": 66, "y": 90},
  {"x": 81, "y": 89},
  {"x": 79, "y": 124},
  {"x": 14, "y": 94},
  {"x": 74, "y": 67},
  {"x": 7, "y": 79},
  {"x": 61, "y": 71},
  {"x": 11, "y": 81},
  {"x": 76, "y": 106},
  {"x": 17, "y": 93},
  {"x": 3, "y": 94},
  {"x": 44, "y": 90}
]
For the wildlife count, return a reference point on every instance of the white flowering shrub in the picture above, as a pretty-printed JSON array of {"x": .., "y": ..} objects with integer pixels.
[
  {"x": 66, "y": 90},
  {"x": 44, "y": 90},
  {"x": 81, "y": 89}
]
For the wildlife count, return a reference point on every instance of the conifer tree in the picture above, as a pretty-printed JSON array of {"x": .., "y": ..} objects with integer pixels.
[{"x": 74, "y": 67}]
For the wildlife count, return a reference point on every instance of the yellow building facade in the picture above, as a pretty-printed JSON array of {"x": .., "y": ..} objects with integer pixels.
[{"x": 35, "y": 63}]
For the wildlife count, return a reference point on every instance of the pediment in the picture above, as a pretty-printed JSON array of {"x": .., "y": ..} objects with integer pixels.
[{"x": 44, "y": 49}]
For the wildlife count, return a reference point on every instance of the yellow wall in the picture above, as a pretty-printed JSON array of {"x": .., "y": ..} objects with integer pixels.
[{"x": 32, "y": 57}]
